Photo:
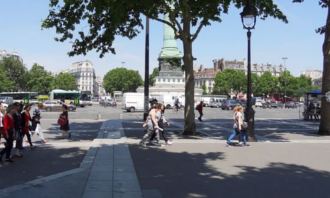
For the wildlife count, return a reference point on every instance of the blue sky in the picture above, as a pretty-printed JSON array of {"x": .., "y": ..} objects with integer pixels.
[{"x": 20, "y": 31}]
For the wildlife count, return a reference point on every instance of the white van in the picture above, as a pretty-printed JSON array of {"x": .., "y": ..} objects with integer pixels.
[{"x": 133, "y": 101}]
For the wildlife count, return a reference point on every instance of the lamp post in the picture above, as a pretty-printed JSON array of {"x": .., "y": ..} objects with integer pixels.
[
  {"x": 249, "y": 17},
  {"x": 284, "y": 62},
  {"x": 146, "y": 73}
]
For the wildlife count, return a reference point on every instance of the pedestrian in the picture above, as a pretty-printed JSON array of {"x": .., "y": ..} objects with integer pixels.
[
  {"x": 177, "y": 104},
  {"x": 2, "y": 112},
  {"x": 239, "y": 127},
  {"x": 18, "y": 134},
  {"x": 199, "y": 108},
  {"x": 151, "y": 125},
  {"x": 26, "y": 117},
  {"x": 36, "y": 124},
  {"x": 63, "y": 121},
  {"x": 8, "y": 133},
  {"x": 162, "y": 123}
]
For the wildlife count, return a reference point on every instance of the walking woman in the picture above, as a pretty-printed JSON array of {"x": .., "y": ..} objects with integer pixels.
[
  {"x": 63, "y": 121},
  {"x": 36, "y": 124},
  {"x": 238, "y": 128},
  {"x": 8, "y": 133},
  {"x": 162, "y": 123},
  {"x": 26, "y": 117},
  {"x": 152, "y": 125}
]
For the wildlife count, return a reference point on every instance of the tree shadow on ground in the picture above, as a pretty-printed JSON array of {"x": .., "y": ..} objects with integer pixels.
[
  {"x": 185, "y": 175},
  {"x": 40, "y": 162},
  {"x": 80, "y": 131},
  {"x": 272, "y": 129}
]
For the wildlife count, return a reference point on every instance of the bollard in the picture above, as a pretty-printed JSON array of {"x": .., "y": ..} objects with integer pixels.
[{"x": 98, "y": 117}]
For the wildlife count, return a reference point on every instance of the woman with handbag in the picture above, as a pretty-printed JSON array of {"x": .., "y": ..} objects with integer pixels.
[
  {"x": 238, "y": 128},
  {"x": 63, "y": 121}
]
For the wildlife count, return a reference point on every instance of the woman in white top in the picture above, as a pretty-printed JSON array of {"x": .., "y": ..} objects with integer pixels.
[{"x": 238, "y": 126}]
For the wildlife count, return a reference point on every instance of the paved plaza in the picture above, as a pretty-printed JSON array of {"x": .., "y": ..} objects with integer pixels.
[{"x": 103, "y": 159}]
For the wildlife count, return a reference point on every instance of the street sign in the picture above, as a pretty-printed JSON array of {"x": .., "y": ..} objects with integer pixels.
[{"x": 327, "y": 96}]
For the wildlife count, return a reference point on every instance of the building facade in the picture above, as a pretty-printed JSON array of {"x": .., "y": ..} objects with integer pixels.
[
  {"x": 5, "y": 54},
  {"x": 98, "y": 87},
  {"x": 204, "y": 79},
  {"x": 84, "y": 73},
  {"x": 315, "y": 75},
  {"x": 220, "y": 65}
]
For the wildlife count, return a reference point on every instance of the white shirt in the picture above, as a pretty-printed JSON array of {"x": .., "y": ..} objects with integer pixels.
[{"x": 1, "y": 118}]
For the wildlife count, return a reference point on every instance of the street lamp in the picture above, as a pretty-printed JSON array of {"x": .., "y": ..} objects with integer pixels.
[
  {"x": 146, "y": 72},
  {"x": 284, "y": 62},
  {"x": 249, "y": 18}
]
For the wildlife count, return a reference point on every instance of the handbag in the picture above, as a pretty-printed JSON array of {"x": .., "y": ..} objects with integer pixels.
[
  {"x": 61, "y": 121},
  {"x": 245, "y": 125}
]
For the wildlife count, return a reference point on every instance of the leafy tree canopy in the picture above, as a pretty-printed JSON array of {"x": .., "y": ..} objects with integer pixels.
[
  {"x": 65, "y": 81},
  {"x": 122, "y": 79},
  {"x": 15, "y": 71},
  {"x": 5, "y": 83},
  {"x": 152, "y": 77},
  {"x": 39, "y": 80},
  {"x": 230, "y": 80},
  {"x": 107, "y": 19}
]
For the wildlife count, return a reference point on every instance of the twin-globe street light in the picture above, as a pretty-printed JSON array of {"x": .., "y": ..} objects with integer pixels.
[{"x": 249, "y": 17}]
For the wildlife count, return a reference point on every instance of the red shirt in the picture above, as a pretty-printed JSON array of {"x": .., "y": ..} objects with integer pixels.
[
  {"x": 27, "y": 119},
  {"x": 8, "y": 124}
]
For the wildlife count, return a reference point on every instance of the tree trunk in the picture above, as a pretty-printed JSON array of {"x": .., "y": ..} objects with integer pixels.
[
  {"x": 189, "y": 109},
  {"x": 325, "y": 106}
]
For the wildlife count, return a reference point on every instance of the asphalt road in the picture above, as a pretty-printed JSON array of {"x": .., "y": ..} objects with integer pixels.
[{"x": 58, "y": 154}]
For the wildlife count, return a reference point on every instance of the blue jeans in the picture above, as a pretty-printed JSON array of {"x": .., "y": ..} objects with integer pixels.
[{"x": 242, "y": 136}]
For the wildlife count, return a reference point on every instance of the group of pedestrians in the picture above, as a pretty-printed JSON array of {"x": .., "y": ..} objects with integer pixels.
[
  {"x": 16, "y": 123},
  {"x": 154, "y": 125}
]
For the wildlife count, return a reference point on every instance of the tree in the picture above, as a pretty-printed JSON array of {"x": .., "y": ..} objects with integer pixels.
[
  {"x": 39, "y": 80},
  {"x": 65, "y": 81},
  {"x": 5, "y": 83},
  {"x": 108, "y": 19},
  {"x": 122, "y": 79},
  {"x": 230, "y": 81},
  {"x": 266, "y": 85},
  {"x": 301, "y": 86},
  {"x": 152, "y": 77},
  {"x": 324, "y": 128},
  {"x": 204, "y": 89},
  {"x": 15, "y": 71}
]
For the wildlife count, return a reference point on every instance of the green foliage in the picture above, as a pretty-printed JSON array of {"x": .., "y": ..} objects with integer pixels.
[
  {"x": 264, "y": 85},
  {"x": 122, "y": 79},
  {"x": 15, "y": 71},
  {"x": 230, "y": 80},
  {"x": 152, "y": 77},
  {"x": 204, "y": 89},
  {"x": 107, "y": 19},
  {"x": 5, "y": 83},
  {"x": 65, "y": 81},
  {"x": 39, "y": 80}
]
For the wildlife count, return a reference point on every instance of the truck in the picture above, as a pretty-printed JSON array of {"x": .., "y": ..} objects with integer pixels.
[{"x": 133, "y": 101}]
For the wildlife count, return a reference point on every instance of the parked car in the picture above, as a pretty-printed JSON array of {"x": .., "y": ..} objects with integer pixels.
[
  {"x": 215, "y": 104},
  {"x": 6, "y": 100},
  {"x": 276, "y": 105},
  {"x": 291, "y": 105},
  {"x": 229, "y": 104},
  {"x": 108, "y": 103},
  {"x": 50, "y": 105}
]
